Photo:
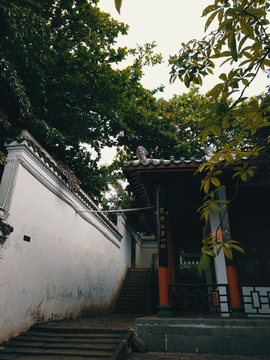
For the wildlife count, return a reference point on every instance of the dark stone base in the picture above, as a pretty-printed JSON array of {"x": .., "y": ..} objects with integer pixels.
[
  {"x": 237, "y": 312},
  {"x": 205, "y": 335},
  {"x": 164, "y": 311}
]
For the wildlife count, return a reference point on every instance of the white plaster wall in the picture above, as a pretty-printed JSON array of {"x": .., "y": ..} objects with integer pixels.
[
  {"x": 128, "y": 231},
  {"x": 74, "y": 263},
  {"x": 144, "y": 253}
]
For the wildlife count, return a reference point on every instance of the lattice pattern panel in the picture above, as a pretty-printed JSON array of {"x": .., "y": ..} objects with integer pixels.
[{"x": 256, "y": 300}]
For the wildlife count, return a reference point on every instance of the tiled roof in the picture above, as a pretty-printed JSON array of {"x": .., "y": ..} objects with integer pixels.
[
  {"x": 157, "y": 162},
  {"x": 173, "y": 163}
]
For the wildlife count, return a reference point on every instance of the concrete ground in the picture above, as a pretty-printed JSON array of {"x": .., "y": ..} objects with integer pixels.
[{"x": 126, "y": 321}]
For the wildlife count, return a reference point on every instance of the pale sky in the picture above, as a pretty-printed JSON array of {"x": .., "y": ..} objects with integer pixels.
[{"x": 168, "y": 23}]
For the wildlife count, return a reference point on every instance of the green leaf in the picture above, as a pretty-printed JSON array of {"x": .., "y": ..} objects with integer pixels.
[
  {"x": 246, "y": 28},
  {"x": 219, "y": 249},
  {"x": 225, "y": 120},
  {"x": 256, "y": 12},
  {"x": 232, "y": 45},
  {"x": 238, "y": 248},
  {"x": 231, "y": 12},
  {"x": 216, "y": 90},
  {"x": 215, "y": 130},
  {"x": 228, "y": 252},
  {"x": 118, "y": 4},
  {"x": 204, "y": 262},
  {"x": 244, "y": 176},
  {"x": 210, "y": 8},
  {"x": 223, "y": 77},
  {"x": 215, "y": 181},
  {"x": 210, "y": 252},
  {"x": 210, "y": 20},
  {"x": 215, "y": 207},
  {"x": 199, "y": 80},
  {"x": 206, "y": 186},
  {"x": 204, "y": 133}
]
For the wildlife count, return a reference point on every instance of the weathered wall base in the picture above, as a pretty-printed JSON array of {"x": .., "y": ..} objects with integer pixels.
[{"x": 230, "y": 336}]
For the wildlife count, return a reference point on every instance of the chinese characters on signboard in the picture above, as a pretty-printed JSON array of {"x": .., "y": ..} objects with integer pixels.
[{"x": 161, "y": 229}]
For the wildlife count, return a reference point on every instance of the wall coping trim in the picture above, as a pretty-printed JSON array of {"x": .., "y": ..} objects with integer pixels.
[{"x": 43, "y": 158}]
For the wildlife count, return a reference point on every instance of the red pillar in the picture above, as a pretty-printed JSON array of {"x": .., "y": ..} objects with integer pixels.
[
  {"x": 163, "y": 285},
  {"x": 233, "y": 286}
]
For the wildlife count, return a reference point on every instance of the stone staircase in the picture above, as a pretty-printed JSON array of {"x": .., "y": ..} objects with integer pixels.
[
  {"x": 68, "y": 342},
  {"x": 132, "y": 297}
]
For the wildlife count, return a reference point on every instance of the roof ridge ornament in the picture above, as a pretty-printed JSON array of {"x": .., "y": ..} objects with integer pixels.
[{"x": 142, "y": 153}]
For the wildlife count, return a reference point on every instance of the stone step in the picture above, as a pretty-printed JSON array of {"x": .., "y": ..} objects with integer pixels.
[
  {"x": 137, "y": 281},
  {"x": 90, "y": 343},
  {"x": 63, "y": 352},
  {"x": 130, "y": 306},
  {"x": 61, "y": 345},
  {"x": 129, "y": 311},
  {"x": 64, "y": 338},
  {"x": 132, "y": 295},
  {"x": 131, "y": 301},
  {"x": 132, "y": 289},
  {"x": 81, "y": 330}
]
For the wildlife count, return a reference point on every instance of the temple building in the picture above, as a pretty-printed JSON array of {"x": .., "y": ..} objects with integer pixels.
[{"x": 171, "y": 196}]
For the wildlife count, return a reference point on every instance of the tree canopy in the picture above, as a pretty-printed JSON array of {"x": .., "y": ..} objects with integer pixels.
[
  {"x": 241, "y": 39},
  {"x": 59, "y": 80}
]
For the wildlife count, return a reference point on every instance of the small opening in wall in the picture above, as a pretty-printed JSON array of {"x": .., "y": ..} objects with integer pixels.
[{"x": 26, "y": 238}]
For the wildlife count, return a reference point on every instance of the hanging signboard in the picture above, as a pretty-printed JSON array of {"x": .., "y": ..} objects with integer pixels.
[{"x": 162, "y": 229}]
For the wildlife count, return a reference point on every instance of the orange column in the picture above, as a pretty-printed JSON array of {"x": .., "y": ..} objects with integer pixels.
[
  {"x": 233, "y": 286},
  {"x": 163, "y": 285}
]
